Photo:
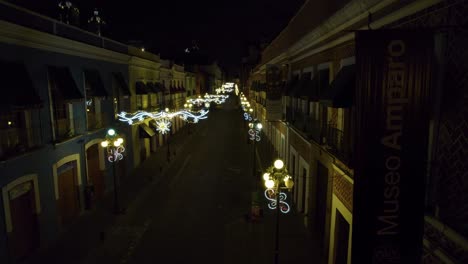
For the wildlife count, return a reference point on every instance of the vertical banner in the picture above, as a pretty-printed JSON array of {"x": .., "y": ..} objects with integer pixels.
[
  {"x": 274, "y": 111},
  {"x": 392, "y": 109}
]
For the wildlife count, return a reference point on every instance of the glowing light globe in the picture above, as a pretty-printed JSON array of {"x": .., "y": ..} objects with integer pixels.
[
  {"x": 288, "y": 182},
  {"x": 278, "y": 164},
  {"x": 104, "y": 144},
  {"x": 269, "y": 184},
  {"x": 266, "y": 176},
  {"x": 111, "y": 132}
]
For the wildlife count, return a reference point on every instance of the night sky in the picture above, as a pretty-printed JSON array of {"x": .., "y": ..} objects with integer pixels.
[{"x": 222, "y": 29}]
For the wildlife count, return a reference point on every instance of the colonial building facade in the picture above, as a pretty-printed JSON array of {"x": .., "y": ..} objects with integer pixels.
[
  {"x": 62, "y": 90},
  {"x": 315, "y": 56}
]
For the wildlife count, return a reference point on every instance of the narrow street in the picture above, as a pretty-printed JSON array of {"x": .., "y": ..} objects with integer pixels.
[{"x": 196, "y": 212}]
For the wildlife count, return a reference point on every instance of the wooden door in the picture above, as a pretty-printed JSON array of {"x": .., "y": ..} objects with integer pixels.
[
  {"x": 322, "y": 186},
  {"x": 341, "y": 239},
  {"x": 69, "y": 205},
  {"x": 95, "y": 175},
  {"x": 24, "y": 237}
]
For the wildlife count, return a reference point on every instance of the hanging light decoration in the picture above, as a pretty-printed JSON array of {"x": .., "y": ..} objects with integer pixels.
[
  {"x": 208, "y": 98},
  {"x": 163, "y": 118}
]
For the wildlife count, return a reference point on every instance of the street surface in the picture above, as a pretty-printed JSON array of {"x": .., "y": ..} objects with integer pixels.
[{"x": 195, "y": 212}]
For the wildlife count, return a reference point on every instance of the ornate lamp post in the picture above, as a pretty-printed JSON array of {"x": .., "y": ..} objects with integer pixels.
[
  {"x": 188, "y": 107},
  {"x": 254, "y": 132},
  {"x": 115, "y": 148},
  {"x": 276, "y": 179}
]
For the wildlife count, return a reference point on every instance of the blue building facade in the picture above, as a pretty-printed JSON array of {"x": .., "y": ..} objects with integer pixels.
[{"x": 62, "y": 96}]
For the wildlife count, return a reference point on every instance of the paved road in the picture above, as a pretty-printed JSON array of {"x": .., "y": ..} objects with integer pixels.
[
  {"x": 185, "y": 217},
  {"x": 195, "y": 212}
]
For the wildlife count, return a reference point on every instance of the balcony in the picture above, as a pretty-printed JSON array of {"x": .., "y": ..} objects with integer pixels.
[
  {"x": 309, "y": 126},
  {"x": 15, "y": 141},
  {"x": 339, "y": 144},
  {"x": 97, "y": 121}
]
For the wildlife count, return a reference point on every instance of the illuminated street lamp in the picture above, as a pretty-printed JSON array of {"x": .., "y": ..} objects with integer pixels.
[
  {"x": 114, "y": 146},
  {"x": 254, "y": 132},
  {"x": 188, "y": 106},
  {"x": 276, "y": 178}
]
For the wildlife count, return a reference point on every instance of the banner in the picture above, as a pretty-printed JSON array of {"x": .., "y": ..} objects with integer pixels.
[
  {"x": 274, "y": 110},
  {"x": 393, "y": 71},
  {"x": 273, "y": 82}
]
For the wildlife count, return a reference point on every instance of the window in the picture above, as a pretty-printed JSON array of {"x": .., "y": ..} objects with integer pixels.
[
  {"x": 11, "y": 133},
  {"x": 62, "y": 114},
  {"x": 139, "y": 102},
  {"x": 121, "y": 94}
]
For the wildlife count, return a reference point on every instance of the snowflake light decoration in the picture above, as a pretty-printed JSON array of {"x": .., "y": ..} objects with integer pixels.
[{"x": 163, "y": 126}]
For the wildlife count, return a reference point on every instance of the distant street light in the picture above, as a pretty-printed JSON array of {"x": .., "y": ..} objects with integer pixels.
[
  {"x": 114, "y": 146},
  {"x": 254, "y": 133}
]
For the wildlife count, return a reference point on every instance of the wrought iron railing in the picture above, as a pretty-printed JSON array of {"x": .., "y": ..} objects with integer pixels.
[
  {"x": 97, "y": 121},
  {"x": 338, "y": 144},
  {"x": 304, "y": 123}
]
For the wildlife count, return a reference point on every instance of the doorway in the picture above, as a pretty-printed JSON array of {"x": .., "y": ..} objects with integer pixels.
[
  {"x": 341, "y": 239},
  {"x": 321, "y": 201},
  {"x": 69, "y": 198},
  {"x": 24, "y": 237},
  {"x": 95, "y": 175},
  {"x": 304, "y": 189}
]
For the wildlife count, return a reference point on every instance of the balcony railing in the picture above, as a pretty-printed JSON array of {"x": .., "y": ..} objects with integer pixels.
[
  {"x": 14, "y": 141},
  {"x": 338, "y": 144},
  {"x": 97, "y": 121},
  {"x": 304, "y": 123},
  {"x": 329, "y": 136}
]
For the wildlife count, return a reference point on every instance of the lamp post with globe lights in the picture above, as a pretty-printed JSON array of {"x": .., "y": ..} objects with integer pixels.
[
  {"x": 188, "y": 107},
  {"x": 114, "y": 146},
  {"x": 254, "y": 132},
  {"x": 276, "y": 179}
]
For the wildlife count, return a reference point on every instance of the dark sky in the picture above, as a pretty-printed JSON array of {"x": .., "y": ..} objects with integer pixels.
[{"x": 221, "y": 28}]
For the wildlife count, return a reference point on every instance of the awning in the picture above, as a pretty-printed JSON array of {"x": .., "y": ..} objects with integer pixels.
[
  {"x": 140, "y": 88},
  {"x": 146, "y": 131},
  {"x": 93, "y": 84},
  {"x": 151, "y": 87},
  {"x": 17, "y": 88},
  {"x": 307, "y": 87},
  {"x": 158, "y": 87},
  {"x": 322, "y": 82},
  {"x": 121, "y": 83},
  {"x": 340, "y": 93},
  {"x": 63, "y": 83},
  {"x": 291, "y": 85}
]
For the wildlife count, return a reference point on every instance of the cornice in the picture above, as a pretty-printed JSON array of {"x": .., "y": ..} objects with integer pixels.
[
  {"x": 22, "y": 36},
  {"x": 143, "y": 63},
  {"x": 353, "y": 13}
]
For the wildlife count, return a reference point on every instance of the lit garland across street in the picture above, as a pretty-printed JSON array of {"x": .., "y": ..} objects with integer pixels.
[
  {"x": 208, "y": 98},
  {"x": 142, "y": 115}
]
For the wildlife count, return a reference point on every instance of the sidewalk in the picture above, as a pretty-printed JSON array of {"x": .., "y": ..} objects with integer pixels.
[
  {"x": 297, "y": 244},
  {"x": 90, "y": 228}
]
